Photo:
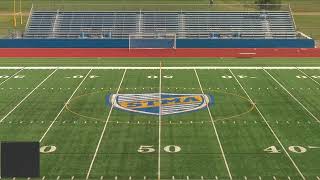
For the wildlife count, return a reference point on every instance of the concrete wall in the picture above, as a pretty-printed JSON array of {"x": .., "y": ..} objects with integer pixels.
[{"x": 180, "y": 43}]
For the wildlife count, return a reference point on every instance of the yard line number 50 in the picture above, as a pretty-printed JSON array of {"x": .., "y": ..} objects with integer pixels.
[{"x": 150, "y": 148}]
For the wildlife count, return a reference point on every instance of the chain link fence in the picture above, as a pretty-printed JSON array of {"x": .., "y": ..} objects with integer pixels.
[{"x": 160, "y": 7}]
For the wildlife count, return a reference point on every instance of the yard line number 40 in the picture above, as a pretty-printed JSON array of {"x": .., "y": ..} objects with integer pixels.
[{"x": 294, "y": 149}]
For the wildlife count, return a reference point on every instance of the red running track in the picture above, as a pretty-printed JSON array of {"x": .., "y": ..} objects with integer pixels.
[{"x": 187, "y": 52}]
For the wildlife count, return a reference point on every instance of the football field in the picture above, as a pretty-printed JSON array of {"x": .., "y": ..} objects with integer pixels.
[{"x": 254, "y": 122}]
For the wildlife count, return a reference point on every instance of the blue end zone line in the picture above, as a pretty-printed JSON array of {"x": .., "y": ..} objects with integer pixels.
[{"x": 151, "y": 67}]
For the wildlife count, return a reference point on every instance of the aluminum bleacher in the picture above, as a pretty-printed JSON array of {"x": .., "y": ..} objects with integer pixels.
[{"x": 184, "y": 24}]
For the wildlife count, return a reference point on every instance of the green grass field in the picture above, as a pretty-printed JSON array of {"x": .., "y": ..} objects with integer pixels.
[{"x": 264, "y": 123}]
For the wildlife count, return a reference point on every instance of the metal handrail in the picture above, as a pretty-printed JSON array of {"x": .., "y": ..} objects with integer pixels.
[{"x": 28, "y": 21}]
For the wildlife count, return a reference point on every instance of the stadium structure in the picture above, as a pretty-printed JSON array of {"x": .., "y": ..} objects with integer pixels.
[
  {"x": 207, "y": 92},
  {"x": 264, "y": 26}
]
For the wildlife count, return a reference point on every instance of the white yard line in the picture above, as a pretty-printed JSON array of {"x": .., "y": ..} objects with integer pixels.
[
  {"x": 309, "y": 77},
  {"x": 160, "y": 111},
  {"x": 293, "y": 97},
  {"x": 104, "y": 129},
  {"x": 214, "y": 127},
  {"x": 28, "y": 95},
  {"x": 157, "y": 67},
  {"x": 274, "y": 134},
  {"x": 54, "y": 120},
  {"x": 11, "y": 76}
]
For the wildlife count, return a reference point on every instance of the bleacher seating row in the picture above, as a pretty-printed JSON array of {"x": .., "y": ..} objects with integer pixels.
[{"x": 99, "y": 24}]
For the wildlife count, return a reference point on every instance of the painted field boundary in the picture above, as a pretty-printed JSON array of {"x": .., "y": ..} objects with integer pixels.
[{"x": 151, "y": 67}]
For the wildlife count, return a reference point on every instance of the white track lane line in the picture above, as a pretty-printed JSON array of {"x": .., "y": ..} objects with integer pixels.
[
  {"x": 214, "y": 127},
  {"x": 104, "y": 129},
  {"x": 28, "y": 95},
  {"x": 11, "y": 76},
  {"x": 156, "y": 67},
  {"x": 265, "y": 120},
  {"x": 292, "y": 96},
  {"x": 309, "y": 76},
  {"x": 54, "y": 120},
  {"x": 160, "y": 111}
]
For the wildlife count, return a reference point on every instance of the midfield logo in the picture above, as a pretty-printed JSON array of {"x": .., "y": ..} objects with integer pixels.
[{"x": 150, "y": 103}]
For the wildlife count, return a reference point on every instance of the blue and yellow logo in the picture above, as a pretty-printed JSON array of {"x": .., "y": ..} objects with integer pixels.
[{"x": 156, "y": 104}]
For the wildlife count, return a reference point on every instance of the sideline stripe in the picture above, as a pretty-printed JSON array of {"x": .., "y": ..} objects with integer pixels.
[
  {"x": 160, "y": 111},
  {"x": 104, "y": 129},
  {"x": 309, "y": 77},
  {"x": 11, "y": 76},
  {"x": 156, "y": 67},
  {"x": 214, "y": 127},
  {"x": 28, "y": 95},
  {"x": 54, "y": 120},
  {"x": 265, "y": 120},
  {"x": 292, "y": 96}
]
